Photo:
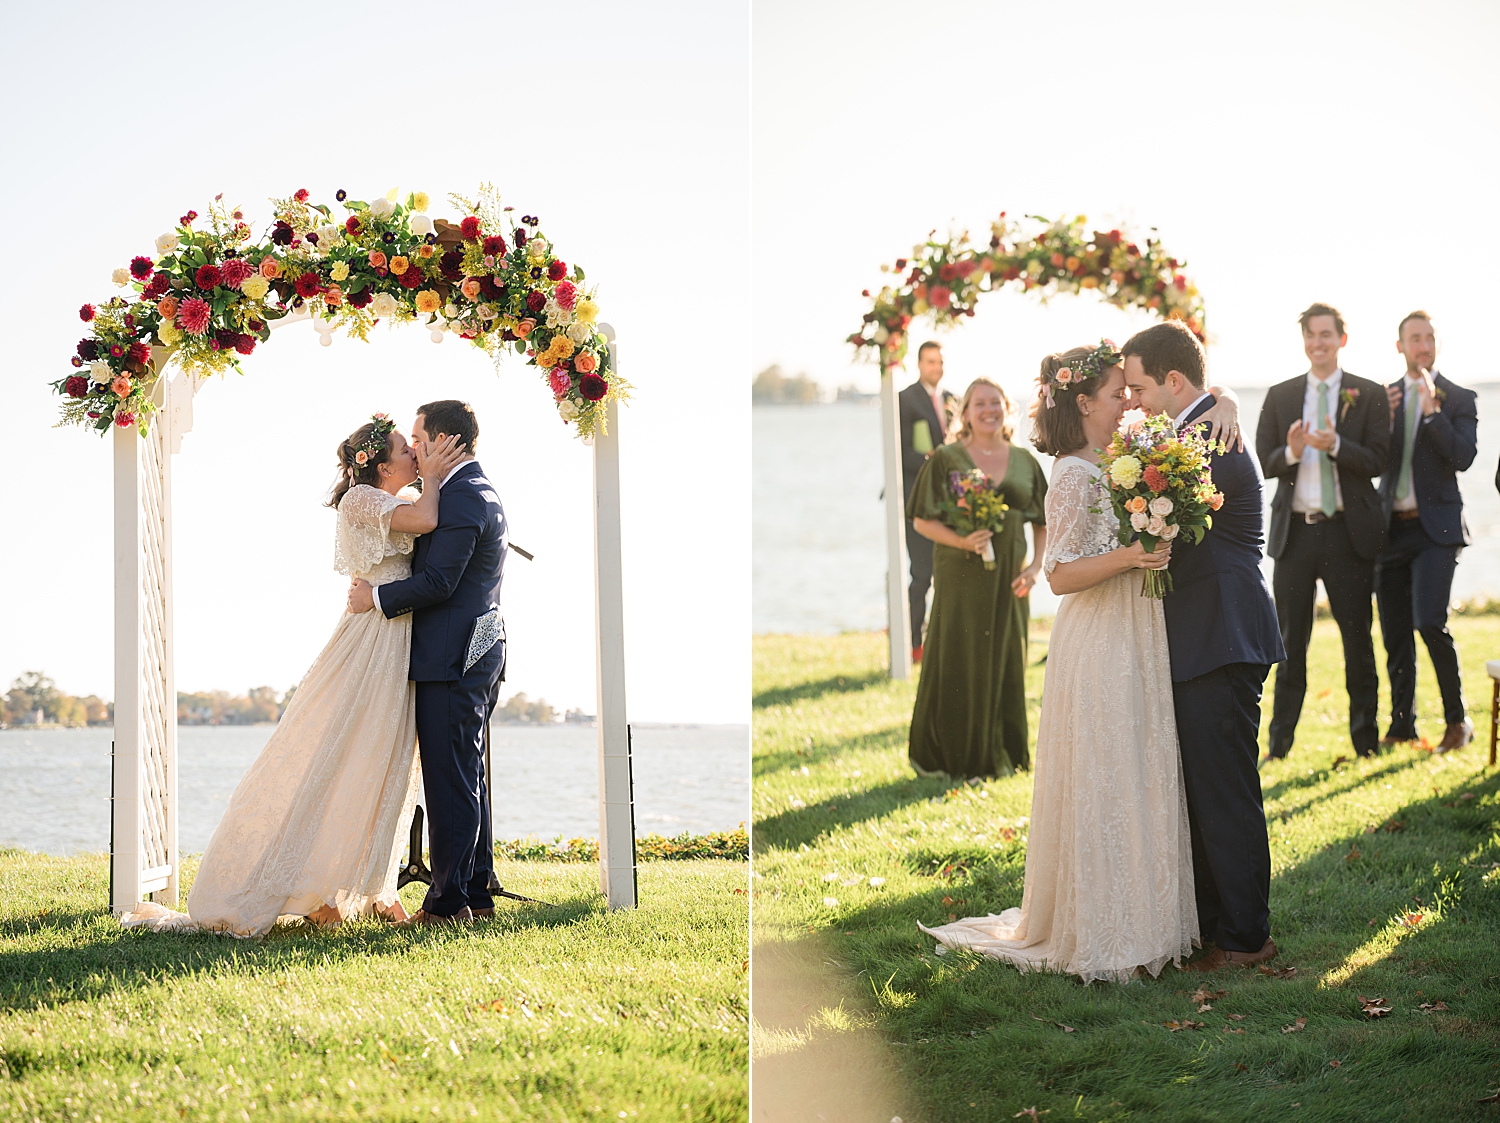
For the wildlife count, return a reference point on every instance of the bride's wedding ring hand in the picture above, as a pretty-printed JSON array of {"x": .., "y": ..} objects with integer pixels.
[
  {"x": 437, "y": 458},
  {"x": 1138, "y": 558}
]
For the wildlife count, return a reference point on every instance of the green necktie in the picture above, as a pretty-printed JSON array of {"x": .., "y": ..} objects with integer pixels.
[
  {"x": 1325, "y": 465},
  {"x": 1413, "y": 415}
]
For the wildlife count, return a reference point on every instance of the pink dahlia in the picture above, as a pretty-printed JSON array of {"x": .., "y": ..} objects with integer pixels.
[
  {"x": 193, "y": 315},
  {"x": 234, "y": 271},
  {"x": 566, "y": 294},
  {"x": 125, "y": 419},
  {"x": 560, "y": 381}
]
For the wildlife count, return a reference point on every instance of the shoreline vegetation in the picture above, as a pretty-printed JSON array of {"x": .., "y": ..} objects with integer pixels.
[{"x": 1383, "y": 1005}]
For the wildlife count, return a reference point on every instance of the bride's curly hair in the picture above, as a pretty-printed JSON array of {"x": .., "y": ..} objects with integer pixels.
[
  {"x": 1056, "y": 424},
  {"x": 350, "y": 471}
]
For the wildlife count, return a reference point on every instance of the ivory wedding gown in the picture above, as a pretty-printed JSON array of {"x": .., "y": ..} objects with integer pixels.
[
  {"x": 315, "y": 820},
  {"x": 1109, "y": 875}
]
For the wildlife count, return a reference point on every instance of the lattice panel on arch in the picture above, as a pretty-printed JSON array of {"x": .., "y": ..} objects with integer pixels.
[{"x": 158, "y": 712}]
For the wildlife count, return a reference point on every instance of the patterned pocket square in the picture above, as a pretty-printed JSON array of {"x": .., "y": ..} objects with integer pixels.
[{"x": 488, "y": 630}]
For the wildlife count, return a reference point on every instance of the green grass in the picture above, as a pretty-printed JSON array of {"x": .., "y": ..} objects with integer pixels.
[
  {"x": 1386, "y": 882},
  {"x": 565, "y": 1013}
]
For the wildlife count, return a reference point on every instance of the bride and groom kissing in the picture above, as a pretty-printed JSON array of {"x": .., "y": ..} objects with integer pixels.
[
  {"x": 312, "y": 828},
  {"x": 1147, "y": 834}
]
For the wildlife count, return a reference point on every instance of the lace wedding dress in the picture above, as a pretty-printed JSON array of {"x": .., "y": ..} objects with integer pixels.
[
  {"x": 1109, "y": 875},
  {"x": 315, "y": 820}
]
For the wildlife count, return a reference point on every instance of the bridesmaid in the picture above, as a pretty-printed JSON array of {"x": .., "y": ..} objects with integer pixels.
[{"x": 970, "y": 714}]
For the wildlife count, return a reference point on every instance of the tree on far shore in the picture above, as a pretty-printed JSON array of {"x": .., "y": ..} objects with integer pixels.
[{"x": 772, "y": 387}]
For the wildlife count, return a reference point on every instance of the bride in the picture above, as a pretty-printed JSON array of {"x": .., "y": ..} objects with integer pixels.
[
  {"x": 1109, "y": 875},
  {"x": 311, "y": 829}
]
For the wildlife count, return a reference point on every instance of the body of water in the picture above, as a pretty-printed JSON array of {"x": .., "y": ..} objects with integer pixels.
[
  {"x": 819, "y": 523},
  {"x": 54, "y": 784}
]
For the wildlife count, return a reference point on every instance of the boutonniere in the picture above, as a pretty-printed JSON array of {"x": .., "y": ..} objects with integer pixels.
[{"x": 1348, "y": 398}]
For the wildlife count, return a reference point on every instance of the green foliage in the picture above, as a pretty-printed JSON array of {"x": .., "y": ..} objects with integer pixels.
[
  {"x": 518, "y": 708},
  {"x": 34, "y": 699},
  {"x": 564, "y": 1013},
  {"x": 650, "y": 847},
  {"x": 1386, "y": 882},
  {"x": 772, "y": 387}
]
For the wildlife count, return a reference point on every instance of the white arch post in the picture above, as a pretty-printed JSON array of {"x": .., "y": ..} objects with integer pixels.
[
  {"x": 897, "y": 609},
  {"x": 143, "y": 816}
]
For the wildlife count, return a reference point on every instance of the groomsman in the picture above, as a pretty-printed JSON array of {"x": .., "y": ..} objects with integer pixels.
[
  {"x": 924, "y": 427},
  {"x": 1322, "y": 436},
  {"x": 1433, "y": 433}
]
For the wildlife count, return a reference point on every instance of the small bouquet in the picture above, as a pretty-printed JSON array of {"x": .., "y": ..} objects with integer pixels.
[
  {"x": 1160, "y": 486},
  {"x": 977, "y": 504}
]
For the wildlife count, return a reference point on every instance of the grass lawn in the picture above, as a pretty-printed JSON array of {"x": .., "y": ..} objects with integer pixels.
[
  {"x": 1386, "y": 883},
  {"x": 565, "y": 1013}
]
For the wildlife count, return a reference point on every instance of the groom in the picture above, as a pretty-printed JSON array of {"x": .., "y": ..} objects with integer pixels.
[
  {"x": 457, "y": 662},
  {"x": 1223, "y": 639}
]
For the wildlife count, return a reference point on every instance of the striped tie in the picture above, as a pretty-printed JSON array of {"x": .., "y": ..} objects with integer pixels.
[{"x": 1325, "y": 465}]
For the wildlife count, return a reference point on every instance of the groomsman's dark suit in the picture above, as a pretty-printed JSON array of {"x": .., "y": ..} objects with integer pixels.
[
  {"x": 1339, "y": 548},
  {"x": 1414, "y": 576},
  {"x": 916, "y": 405},
  {"x": 1222, "y": 637}
]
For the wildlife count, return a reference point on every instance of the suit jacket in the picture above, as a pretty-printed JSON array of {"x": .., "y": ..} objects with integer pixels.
[
  {"x": 916, "y": 404},
  {"x": 456, "y": 574},
  {"x": 1220, "y": 610},
  {"x": 1444, "y": 445},
  {"x": 1364, "y": 429}
]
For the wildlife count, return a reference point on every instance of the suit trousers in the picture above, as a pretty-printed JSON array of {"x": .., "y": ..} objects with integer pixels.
[
  {"x": 451, "y": 721},
  {"x": 1218, "y": 731},
  {"x": 919, "y": 550},
  {"x": 1313, "y": 551},
  {"x": 1413, "y": 584}
]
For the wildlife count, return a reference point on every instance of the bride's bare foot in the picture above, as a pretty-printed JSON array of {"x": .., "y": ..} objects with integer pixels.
[
  {"x": 325, "y": 916},
  {"x": 395, "y": 913}
]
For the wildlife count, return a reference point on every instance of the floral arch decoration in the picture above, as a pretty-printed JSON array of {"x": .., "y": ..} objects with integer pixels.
[
  {"x": 944, "y": 279},
  {"x": 213, "y": 291}
]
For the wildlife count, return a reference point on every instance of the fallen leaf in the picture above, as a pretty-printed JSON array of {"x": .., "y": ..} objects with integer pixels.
[
  {"x": 1371, "y": 829},
  {"x": 1241, "y": 1068},
  {"x": 1352, "y": 855},
  {"x": 1282, "y": 973},
  {"x": 1175, "y": 1025},
  {"x": 947, "y": 900},
  {"x": 1205, "y": 1008},
  {"x": 1376, "y": 1007},
  {"x": 496, "y": 1006},
  {"x": 1338, "y": 760},
  {"x": 1371, "y": 922},
  {"x": 1335, "y": 1064},
  {"x": 1432, "y": 1007},
  {"x": 1231, "y": 1029},
  {"x": 1296, "y": 1027},
  {"x": 1411, "y": 920},
  {"x": 1495, "y": 1099},
  {"x": 1236, "y": 1017},
  {"x": 1467, "y": 796},
  {"x": 1394, "y": 825},
  {"x": 1031, "y": 1112},
  {"x": 1203, "y": 994},
  {"x": 1059, "y": 1025}
]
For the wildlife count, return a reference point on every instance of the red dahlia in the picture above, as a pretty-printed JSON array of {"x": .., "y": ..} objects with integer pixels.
[
  {"x": 157, "y": 287},
  {"x": 86, "y": 313},
  {"x": 234, "y": 271},
  {"x": 141, "y": 266},
  {"x": 208, "y": 277},
  {"x": 566, "y": 294},
  {"x": 77, "y": 386},
  {"x": 470, "y": 227},
  {"x": 1154, "y": 478},
  {"x": 88, "y": 350},
  {"x": 450, "y": 264},
  {"x": 301, "y": 195},
  {"x": 535, "y": 301},
  {"x": 140, "y": 352},
  {"x": 488, "y": 287},
  {"x": 193, "y": 315},
  {"x": 592, "y": 387},
  {"x": 307, "y": 285},
  {"x": 362, "y": 298},
  {"x": 493, "y": 243},
  {"x": 557, "y": 270},
  {"x": 244, "y": 344},
  {"x": 412, "y": 278},
  {"x": 352, "y": 224}
]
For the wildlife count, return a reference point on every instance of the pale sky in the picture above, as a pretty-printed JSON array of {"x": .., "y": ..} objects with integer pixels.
[
  {"x": 1290, "y": 152},
  {"x": 624, "y": 127}
]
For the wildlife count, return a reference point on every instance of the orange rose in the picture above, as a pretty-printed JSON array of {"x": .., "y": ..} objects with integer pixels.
[
  {"x": 270, "y": 268},
  {"x": 471, "y": 289},
  {"x": 333, "y": 296},
  {"x": 1216, "y": 500},
  {"x": 121, "y": 386},
  {"x": 524, "y": 328},
  {"x": 424, "y": 251},
  {"x": 586, "y": 363},
  {"x": 167, "y": 307},
  {"x": 1137, "y": 503},
  {"x": 398, "y": 265},
  {"x": 377, "y": 259}
]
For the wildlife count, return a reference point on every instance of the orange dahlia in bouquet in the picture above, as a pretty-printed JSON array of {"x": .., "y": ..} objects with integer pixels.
[{"x": 1160, "y": 485}]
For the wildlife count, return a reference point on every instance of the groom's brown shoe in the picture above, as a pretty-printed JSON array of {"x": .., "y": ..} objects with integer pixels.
[
  {"x": 424, "y": 919},
  {"x": 484, "y": 914},
  {"x": 1220, "y": 958}
]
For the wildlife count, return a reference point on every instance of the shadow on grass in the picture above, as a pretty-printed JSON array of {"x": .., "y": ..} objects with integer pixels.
[
  {"x": 805, "y": 691},
  {"x": 891, "y": 737},
  {"x": 790, "y": 829}
]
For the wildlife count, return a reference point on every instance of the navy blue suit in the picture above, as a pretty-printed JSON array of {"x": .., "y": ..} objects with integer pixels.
[
  {"x": 456, "y": 575},
  {"x": 1223, "y": 638},
  {"x": 1414, "y": 574}
]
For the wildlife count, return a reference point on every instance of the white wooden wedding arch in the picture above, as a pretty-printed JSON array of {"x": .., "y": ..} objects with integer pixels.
[{"x": 144, "y": 791}]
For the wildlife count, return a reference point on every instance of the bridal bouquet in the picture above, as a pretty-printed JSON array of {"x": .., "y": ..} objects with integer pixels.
[
  {"x": 976, "y": 504},
  {"x": 1160, "y": 486}
]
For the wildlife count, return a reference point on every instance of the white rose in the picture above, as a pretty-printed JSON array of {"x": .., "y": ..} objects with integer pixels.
[
  {"x": 1155, "y": 525},
  {"x": 567, "y": 409},
  {"x": 120, "y": 276},
  {"x": 419, "y": 224},
  {"x": 1169, "y": 532},
  {"x": 450, "y": 311},
  {"x": 101, "y": 373},
  {"x": 384, "y": 304},
  {"x": 486, "y": 313},
  {"x": 580, "y": 332},
  {"x": 882, "y": 334},
  {"x": 166, "y": 243},
  {"x": 382, "y": 208},
  {"x": 1161, "y": 505},
  {"x": 1138, "y": 521},
  {"x": 536, "y": 249}
]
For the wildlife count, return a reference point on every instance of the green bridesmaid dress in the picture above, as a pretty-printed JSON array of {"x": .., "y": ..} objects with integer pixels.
[{"x": 970, "y": 715}]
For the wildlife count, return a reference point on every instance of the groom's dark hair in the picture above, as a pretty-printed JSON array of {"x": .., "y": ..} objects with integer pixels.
[
  {"x": 1168, "y": 346},
  {"x": 455, "y": 418}
]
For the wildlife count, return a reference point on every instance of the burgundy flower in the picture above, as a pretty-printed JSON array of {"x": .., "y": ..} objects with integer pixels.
[
  {"x": 557, "y": 270},
  {"x": 256, "y": 326},
  {"x": 125, "y": 419},
  {"x": 592, "y": 387},
  {"x": 412, "y": 278},
  {"x": 300, "y": 195},
  {"x": 140, "y": 352},
  {"x": 193, "y": 315},
  {"x": 469, "y": 227},
  {"x": 493, "y": 243},
  {"x": 88, "y": 350},
  {"x": 535, "y": 301},
  {"x": 86, "y": 313},
  {"x": 451, "y": 265},
  {"x": 307, "y": 285},
  {"x": 116, "y": 351},
  {"x": 520, "y": 237},
  {"x": 244, "y": 344},
  {"x": 488, "y": 287},
  {"x": 282, "y": 235},
  {"x": 187, "y": 219},
  {"x": 362, "y": 298},
  {"x": 208, "y": 277},
  {"x": 352, "y": 224},
  {"x": 76, "y": 362},
  {"x": 76, "y": 386},
  {"x": 141, "y": 267},
  {"x": 157, "y": 287},
  {"x": 225, "y": 339},
  {"x": 234, "y": 271}
]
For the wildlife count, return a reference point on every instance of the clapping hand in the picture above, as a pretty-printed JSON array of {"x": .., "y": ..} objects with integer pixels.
[
  {"x": 1427, "y": 393},
  {"x": 1299, "y": 436}
]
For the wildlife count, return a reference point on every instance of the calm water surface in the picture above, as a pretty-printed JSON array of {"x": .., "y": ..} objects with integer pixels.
[{"x": 54, "y": 784}]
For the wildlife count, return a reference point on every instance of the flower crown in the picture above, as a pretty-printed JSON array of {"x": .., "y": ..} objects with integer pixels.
[
  {"x": 375, "y": 444},
  {"x": 1105, "y": 355}
]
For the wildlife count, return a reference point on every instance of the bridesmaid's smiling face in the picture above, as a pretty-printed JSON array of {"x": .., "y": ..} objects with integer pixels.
[{"x": 986, "y": 412}]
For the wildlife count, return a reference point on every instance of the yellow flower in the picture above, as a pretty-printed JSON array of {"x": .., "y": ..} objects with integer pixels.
[
  {"x": 428, "y": 302},
  {"x": 586, "y": 310},
  {"x": 1126, "y": 471},
  {"x": 398, "y": 266},
  {"x": 168, "y": 333},
  {"x": 255, "y": 286},
  {"x": 424, "y": 251},
  {"x": 340, "y": 271},
  {"x": 420, "y": 201}
]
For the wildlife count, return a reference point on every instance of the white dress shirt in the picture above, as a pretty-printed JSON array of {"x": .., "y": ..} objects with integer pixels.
[
  {"x": 1413, "y": 402},
  {"x": 375, "y": 589},
  {"x": 1308, "y": 495}
]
